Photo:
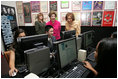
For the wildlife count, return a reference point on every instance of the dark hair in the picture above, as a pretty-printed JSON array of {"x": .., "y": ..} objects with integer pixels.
[
  {"x": 47, "y": 28},
  {"x": 107, "y": 58},
  {"x": 70, "y": 14},
  {"x": 114, "y": 35},
  {"x": 52, "y": 12},
  {"x": 17, "y": 32}
]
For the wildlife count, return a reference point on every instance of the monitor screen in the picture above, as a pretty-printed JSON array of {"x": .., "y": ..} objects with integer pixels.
[
  {"x": 29, "y": 42},
  {"x": 87, "y": 39},
  {"x": 37, "y": 59},
  {"x": 68, "y": 34},
  {"x": 67, "y": 51}
]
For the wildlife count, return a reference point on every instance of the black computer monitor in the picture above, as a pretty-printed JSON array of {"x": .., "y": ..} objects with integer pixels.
[
  {"x": 68, "y": 34},
  {"x": 87, "y": 39},
  {"x": 29, "y": 42},
  {"x": 66, "y": 51},
  {"x": 38, "y": 59}
]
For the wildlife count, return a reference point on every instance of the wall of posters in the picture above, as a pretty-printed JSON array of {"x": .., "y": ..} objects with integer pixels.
[
  {"x": 86, "y": 5},
  {"x": 63, "y": 20},
  {"x": 8, "y": 24},
  {"x": 53, "y": 5},
  {"x": 35, "y": 6},
  {"x": 43, "y": 6},
  {"x": 19, "y": 5},
  {"x": 109, "y": 5},
  {"x": 86, "y": 19},
  {"x": 97, "y": 19},
  {"x": 76, "y": 5},
  {"x": 108, "y": 18},
  {"x": 20, "y": 19},
  {"x": 98, "y": 5},
  {"x": 64, "y": 4},
  {"x": 27, "y": 12}
]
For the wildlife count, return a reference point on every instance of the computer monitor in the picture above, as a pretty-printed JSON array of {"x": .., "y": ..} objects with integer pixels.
[
  {"x": 66, "y": 51},
  {"x": 29, "y": 42},
  {"x": 37, "y": 59},
  {"x": 87, "y": 39},
  {"x": 68, "y": 34}
]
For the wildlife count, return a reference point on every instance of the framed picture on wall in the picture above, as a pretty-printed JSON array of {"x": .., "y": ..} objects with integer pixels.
[
  {"x": 27, "y": 12},
  {"x": 97, "y": 18},
  {"x": 44, "y": 6},
  {"x": 108, "y": 18},
  {"x": 86, "y": 5},
  {"x": 35, "y": 6},
  {"x": 76, "y": 5},
  {"x": 64, "y": 4},
  {"x": 109, "y": 5},
  {"x": 34, "y": 18},
  {"x": 86, "y": 18},
  {"x": 19, "y": 5},
  {"x": 20, "y": 19},
  {"x": 98, "y": 5},
  {"x": 53, "y": 5},
  {"x": 63, "y": 20}
]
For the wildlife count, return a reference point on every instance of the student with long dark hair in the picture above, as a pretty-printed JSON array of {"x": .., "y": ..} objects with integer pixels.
[{"x": 106, "y": 58}]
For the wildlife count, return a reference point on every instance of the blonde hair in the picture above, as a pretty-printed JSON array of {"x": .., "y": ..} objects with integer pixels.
[{"x": 70, "y": 14}]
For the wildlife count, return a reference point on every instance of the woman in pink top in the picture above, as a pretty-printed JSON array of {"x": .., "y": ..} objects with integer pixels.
[{"x": 56, "y": 25}]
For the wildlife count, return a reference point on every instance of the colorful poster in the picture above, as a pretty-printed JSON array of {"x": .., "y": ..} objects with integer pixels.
[
  {"x": 20, "y": 19},
  {"x": 77, "y": 16},
  {"x": 19, "y": 5},
  {"x": 43, "y": 6},
  {"x": 109, "y": 5},
  {"x": 8, "y": 24},
  {"x": 86, "y": 18},
  {"x": 64, "y": 4},
  {"x": 76, "y": 5},
  {"x": 35, "y": 6},
  {"x": 46, "y": 17},
  {"x": 108, "y": 18},
  {"x": 27, "y": 12},
  {"x": 63, "y": 20},
  {"x": 34, "y": 18},
  {"x": 98, "y": 5},
  {"x": 86, "y": 5},
  {"x": 53, "y": 5},
  {"x": 97, "y": 19}
]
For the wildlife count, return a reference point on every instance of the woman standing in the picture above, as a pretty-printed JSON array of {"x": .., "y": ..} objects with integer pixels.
[
  {"x": 56, "y": 25},
  {"x": 40, "y": 24},
  {"x": 71, "y": 24}
]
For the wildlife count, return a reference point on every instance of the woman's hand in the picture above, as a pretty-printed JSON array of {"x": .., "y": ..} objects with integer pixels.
[{"x": 89, "y": 66}]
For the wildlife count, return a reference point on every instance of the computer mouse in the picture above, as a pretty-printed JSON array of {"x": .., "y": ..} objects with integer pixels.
[{"x": 13, "y": 74}]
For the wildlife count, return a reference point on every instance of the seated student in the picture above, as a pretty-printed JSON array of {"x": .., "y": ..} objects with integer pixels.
[
  {"x": 106, "y": 58},
  {"x": 15, "y": 57},
  {"x": 51, "y": 38},
  {"x": 114, "y": 35}
]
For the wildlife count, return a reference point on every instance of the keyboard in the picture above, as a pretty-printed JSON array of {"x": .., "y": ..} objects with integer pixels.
[
  {"x": 91, "y": 57},
  {"x": 76, "y": 72}
]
